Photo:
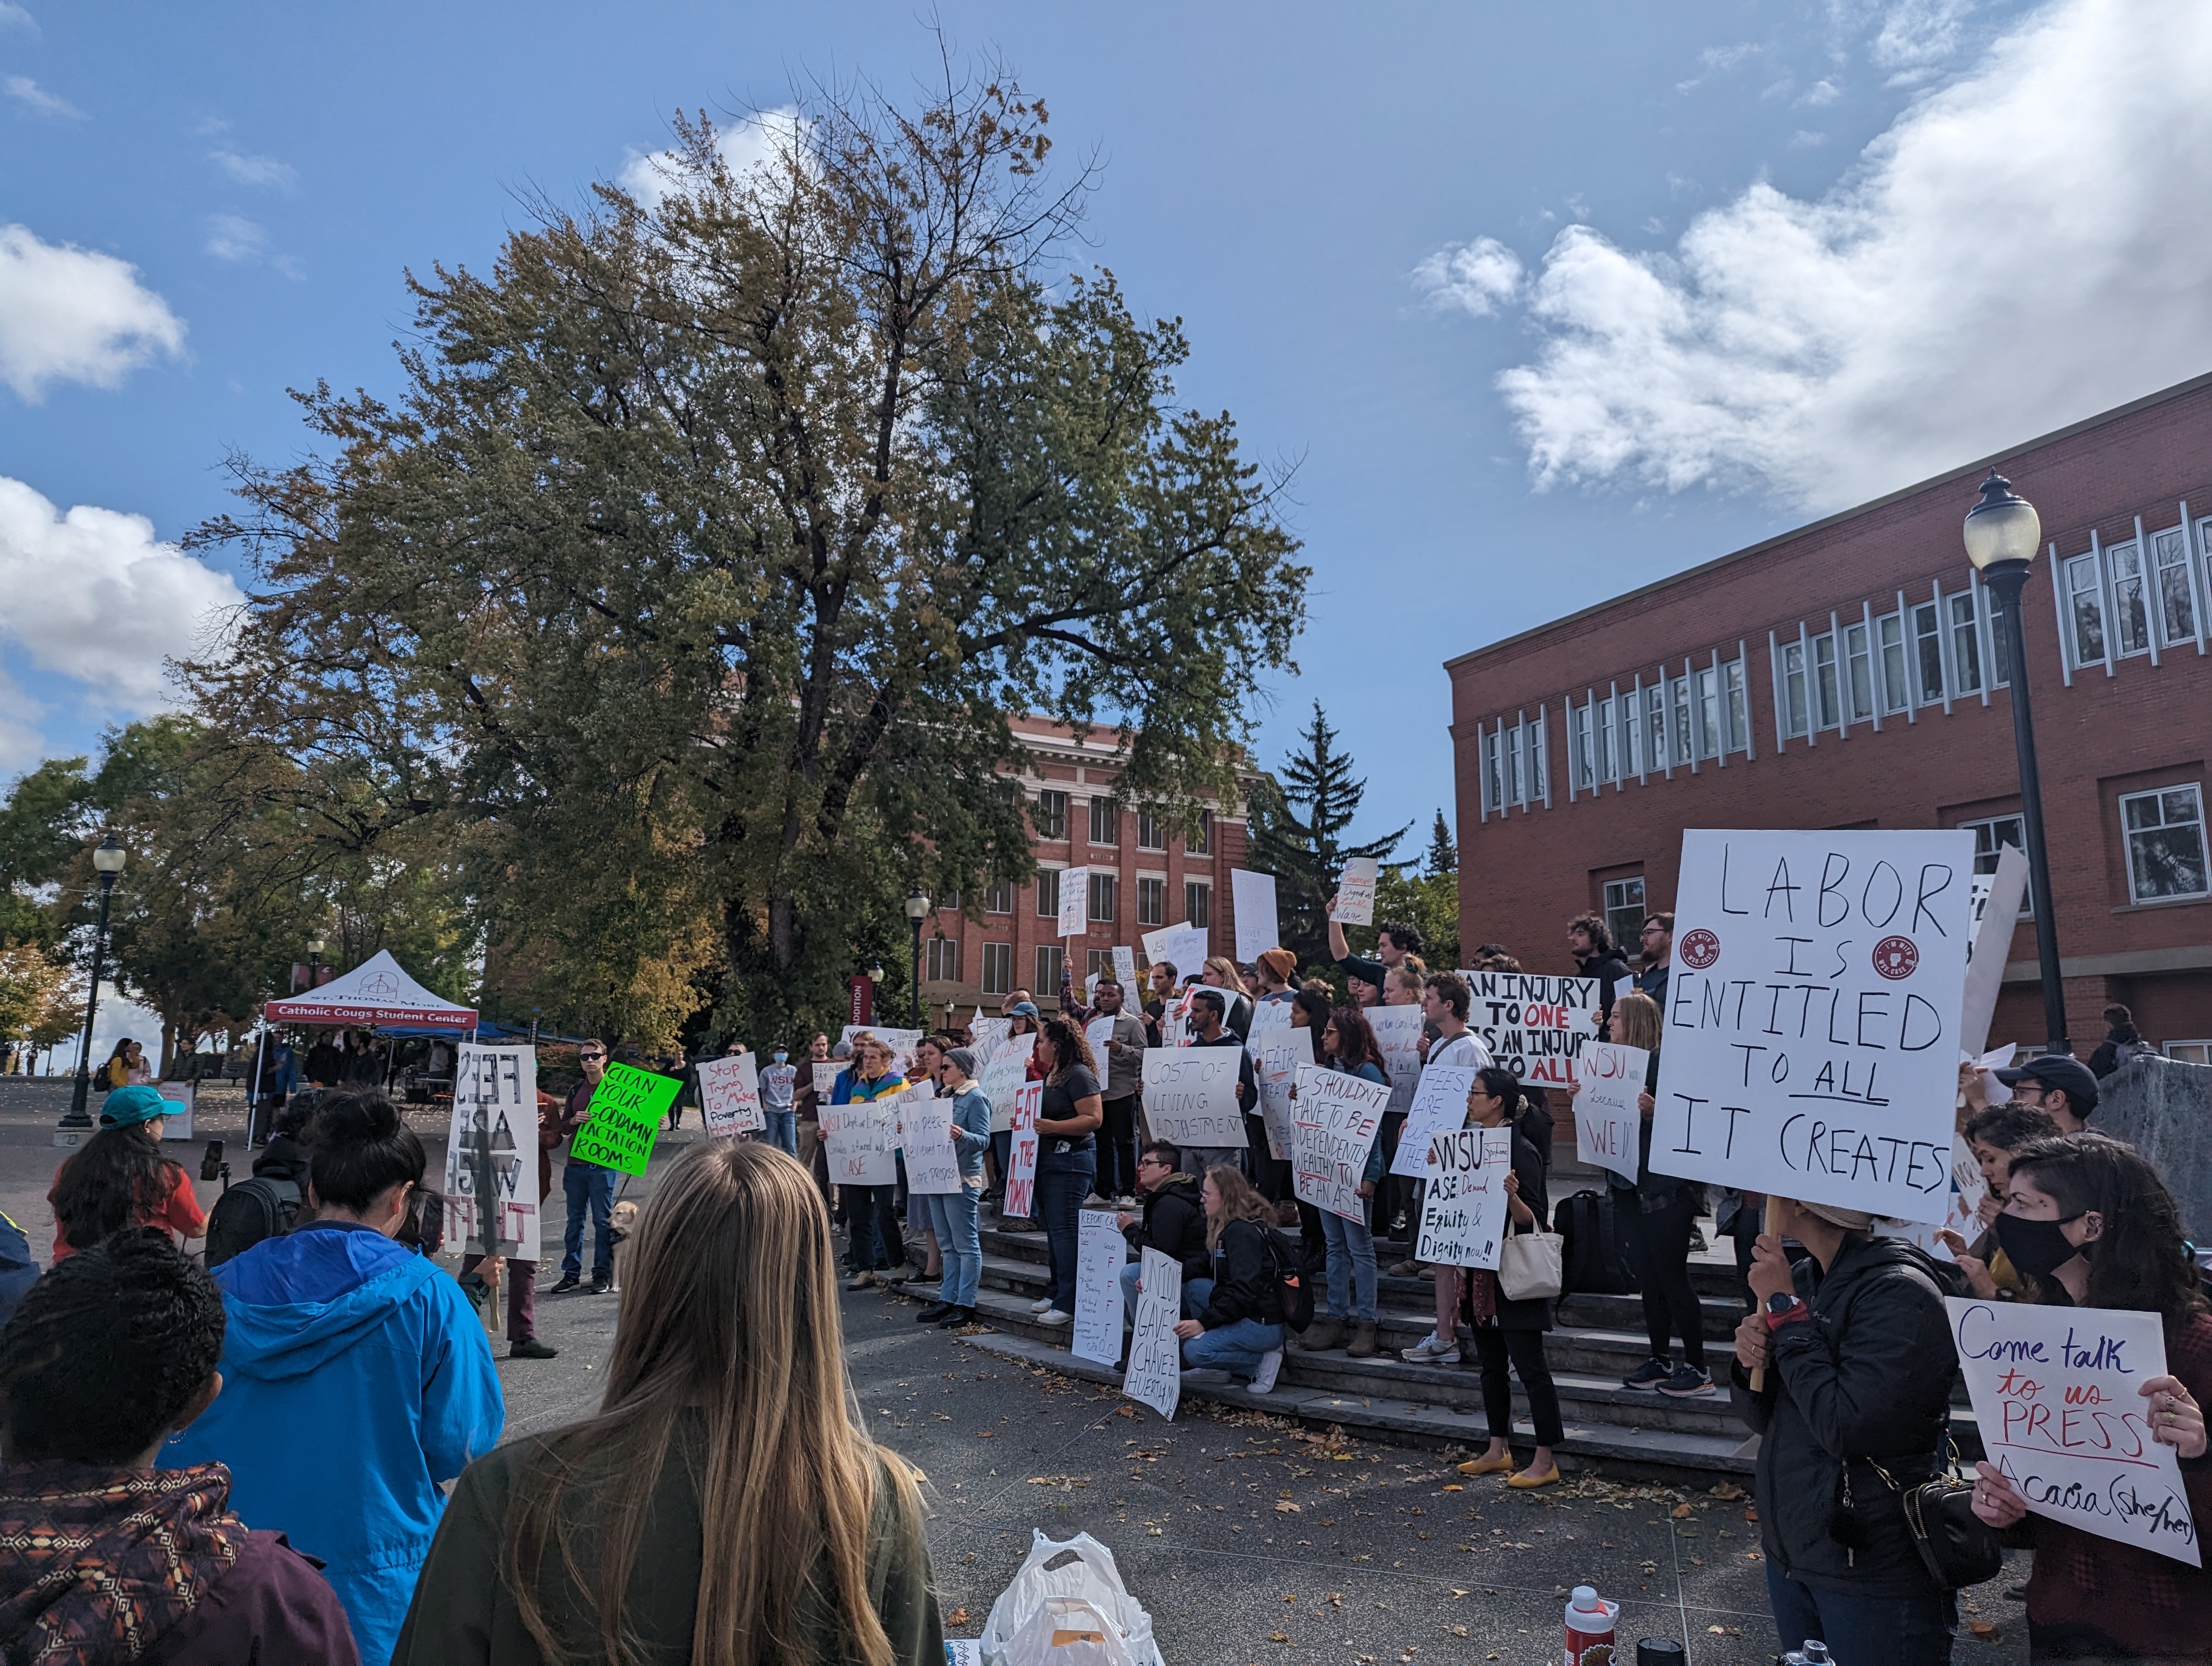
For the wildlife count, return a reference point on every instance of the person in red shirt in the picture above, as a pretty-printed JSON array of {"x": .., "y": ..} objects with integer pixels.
[{"x": 119, "y": 1178}]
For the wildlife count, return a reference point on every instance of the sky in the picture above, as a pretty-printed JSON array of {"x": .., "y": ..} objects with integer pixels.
[{"x": 1540, "y": 303}]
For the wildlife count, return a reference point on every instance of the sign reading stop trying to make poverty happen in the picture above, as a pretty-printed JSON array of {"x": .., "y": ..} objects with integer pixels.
[
  {"x": 626, "y": 1112},
  {"x": 1812, "y": 1015}
]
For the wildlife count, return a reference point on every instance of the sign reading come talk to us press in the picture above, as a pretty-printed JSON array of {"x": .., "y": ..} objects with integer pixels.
[{"x": 627, "y": 1109}]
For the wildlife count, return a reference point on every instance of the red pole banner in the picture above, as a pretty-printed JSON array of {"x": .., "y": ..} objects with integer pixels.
[{"x": 864, "y": 999}]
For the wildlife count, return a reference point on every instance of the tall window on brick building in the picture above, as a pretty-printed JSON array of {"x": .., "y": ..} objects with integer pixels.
[
  {"x": 1096, "y": 963},
  {"x": 2176, "y": 597},
  {"x": 2164, "y": 833},
  {"x": 2084, "y": 599},
  {"x": 1151, "y": 833},
  {"x": 1050, "y": 959},
  {"x": 1513, "y": 767},
  {"x": 1151, "y": 901},
  {"x": 1624, "y": 911},
  {"x": 1105, "y": 894},
  {"x": 941, "y": 960},
  {"x": 1050, "y": 815},
  {"x": 998, "y": 897},
  {"x": 1202, "y": 845},
  {"x": 1197, "y": 902},
  {"x": 998, "y": 968},
  {"x": 1991, "y": 835},
  {"x": 2130, "y": 618},
  {"x": 1047, "y": 893},
  {"x": 1105, "y": 822}
]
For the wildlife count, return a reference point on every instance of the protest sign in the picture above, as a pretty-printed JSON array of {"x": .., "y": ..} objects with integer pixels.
[
  {"x": 1398, "y": 1033},
  {"x": 1252, "y": 896},
  {"x": 729, "y": 1094},
  {"x": 181, "y": 1098},
  {"x": 987, "y": 1036},
  {"x": 924, "y": 1131},
  {"x": 1997, "y": 913},
  {"x": 1463, "y": 1212},
  {"x": 1439, "y": 1106},
  {"x": 1154, "y": 1377},
  {"x": 1183, "y": 947},
  {"x": 1074, "y": 901},
  {"x": 1021, "y": 1164},
  {"x": 1812, "y": 1013},
  {"x": 902, "y": 1042},
  {"x": 1533, "y": 1026},
  {"x": 624, "y": 1120},
  {"x": 492, "y": 1206},
  {"x": 1002, "y": 1076},
  {"x": 859, "y": 1141},
  {"x": 1125, "y": 967},
  {"x": 1355, "y": 891},
  {"x": 1190, "y": 1096},
  {"x": 825, "y": 1078},
  {"x": 2056, "y": 1393},
  {"x": 1338, "y": 1118},
  {"x": 1098, "y": 1033},
  {"x": 1100, "y": 1251},
  {"x": 1962, "y": 1212},
  {"x": 1279, "y": 1049},
  {"x": 1608, "y": 1127}
]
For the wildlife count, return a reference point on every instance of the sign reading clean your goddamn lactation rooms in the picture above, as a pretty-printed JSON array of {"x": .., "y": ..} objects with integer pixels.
[{"x": 1812, "y": 1015}]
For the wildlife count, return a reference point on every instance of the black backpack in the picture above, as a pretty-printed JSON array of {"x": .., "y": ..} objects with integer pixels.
[
  {"x": 1592, "y": 1255},
  {"x": 1293, "y": 1278},
  {"x": 263, "y": 1208}
]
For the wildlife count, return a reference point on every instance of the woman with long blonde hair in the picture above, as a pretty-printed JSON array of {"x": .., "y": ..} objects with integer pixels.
[
  {"x": 1239, "y": 1327},
  {"x": 725, "y": 1506}
]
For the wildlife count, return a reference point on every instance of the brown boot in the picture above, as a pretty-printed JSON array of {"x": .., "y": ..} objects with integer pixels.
[
  {"x": 1362, "y": 1346},
  {"x": 1322, "y": 1335}
]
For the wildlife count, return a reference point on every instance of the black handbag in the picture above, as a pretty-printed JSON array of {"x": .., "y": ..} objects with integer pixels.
[{"x": 1957, "y": 1546}]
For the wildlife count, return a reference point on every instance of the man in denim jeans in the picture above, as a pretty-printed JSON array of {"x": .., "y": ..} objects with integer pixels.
[
  {"x": 778, "y": 1086},
  {"x": 586, "y": 1185}
]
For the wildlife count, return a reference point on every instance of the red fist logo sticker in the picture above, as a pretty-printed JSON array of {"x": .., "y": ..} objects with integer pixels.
[
  {"x": 1701, "y": 949},
  {"x": 1896, "y": 958}
]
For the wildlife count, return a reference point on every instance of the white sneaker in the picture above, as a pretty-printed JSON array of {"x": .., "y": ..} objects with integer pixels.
[
  {"x": 1055, "y": 1316},
  {"x": 1429, "y": 1351},
  {"x": 1263, "y": 1380},
  {"x": 1044, "y": 1306}
]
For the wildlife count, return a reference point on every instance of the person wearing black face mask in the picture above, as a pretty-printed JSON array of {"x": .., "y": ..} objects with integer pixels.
[{"x": 2089, "y": 1224}]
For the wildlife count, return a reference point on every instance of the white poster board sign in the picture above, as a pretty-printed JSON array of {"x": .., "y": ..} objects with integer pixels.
[
  {"x": 1098, "y": 1033},
  {"x": 1002, "y": 1076},
  {"x": 1100, "y": 1251},
  {"x": 181, "y": 1097},
  {"x": 1355, "y": 891},
  {"x": 2056, "y": 1392},
  {"x": 1996, "y": 913},
  {"x": 987, "y": 1034},
  {"x": 1074, "y": 901},
  {"x": 1184, "y": 947},
  {"x": 1190, "y": 1096},
  {"x": 825, "y": 1078},
  {"x": 1533, "y": 1026},
  {"x": 1463, "y": 1211},
  {"x": 1812, "y": 1014},
  {"x": 1252, "y": 897},
  {"x": 1439, "y": 1107},
  {"x": 1398, "y": 1033},
  {"x": 1279, "y": 1049},
  {"x": 902, "y": 1042},
  {"x": 1154, "y": 1377},
  {"x": 492, "y": 1206},
  {"x": 860, "y": 1142},
  {"x": 1338, "y": 1118},
  {"x": 1125, "y": 967},
  {"x": 1021, "y": 1161},
  {"x": 1608, "y": 1127},
  {"x": 729, "y": 1094},
  {"x": 925, "y": 1135}
]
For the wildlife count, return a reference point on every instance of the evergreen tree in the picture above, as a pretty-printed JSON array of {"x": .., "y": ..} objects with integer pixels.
[
  {"x": 1298, "y": 824},
  {"x": 1443, "y": 854}
]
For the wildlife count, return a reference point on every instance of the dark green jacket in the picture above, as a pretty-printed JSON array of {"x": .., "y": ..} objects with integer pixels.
[{"x": 463, "y": 1615}]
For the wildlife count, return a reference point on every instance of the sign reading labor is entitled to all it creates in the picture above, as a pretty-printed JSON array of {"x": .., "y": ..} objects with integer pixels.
[{"x": 1812, "y": 1015}]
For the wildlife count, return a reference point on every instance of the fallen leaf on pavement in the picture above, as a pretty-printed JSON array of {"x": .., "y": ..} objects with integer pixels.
[
  {"x": 1679, "y": 1511},
  {"x": 957, "y": 1617},
  {"x": 1286, "y": 1507},
  {"x": 1728, "y": 1491}
]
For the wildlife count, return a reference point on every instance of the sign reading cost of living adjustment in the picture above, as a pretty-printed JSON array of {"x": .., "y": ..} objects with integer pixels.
[{"x": 1812, "y": 1015}]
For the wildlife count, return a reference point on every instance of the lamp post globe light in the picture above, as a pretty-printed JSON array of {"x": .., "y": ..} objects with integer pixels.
[
  {"x": 107, "y": 860},
  {"x": 917, "y": 910},
  {"x": 2004, "y": 534}
]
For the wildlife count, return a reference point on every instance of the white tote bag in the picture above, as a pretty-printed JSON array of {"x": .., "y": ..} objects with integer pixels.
[
  {"x": 1530, "y": 1264},
  {"x": 1079, "y": 1613}
]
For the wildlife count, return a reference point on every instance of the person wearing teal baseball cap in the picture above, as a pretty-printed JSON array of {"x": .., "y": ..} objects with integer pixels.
[{"x": 119, "y": 1177}]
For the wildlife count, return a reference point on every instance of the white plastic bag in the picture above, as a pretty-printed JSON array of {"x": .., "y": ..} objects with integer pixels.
[{"x": 1083, "y": 1604}]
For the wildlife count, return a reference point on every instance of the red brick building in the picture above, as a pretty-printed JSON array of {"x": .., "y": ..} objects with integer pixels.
[
  {"x": 1142, "y": 876},
  {"x": 1850, "y": 673}
]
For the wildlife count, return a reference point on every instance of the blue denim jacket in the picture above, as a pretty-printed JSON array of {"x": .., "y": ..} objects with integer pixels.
[{"x": 971, "y": 1115}]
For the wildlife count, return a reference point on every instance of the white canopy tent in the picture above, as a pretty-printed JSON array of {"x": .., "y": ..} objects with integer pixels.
[{"x": 378, "y": 992}]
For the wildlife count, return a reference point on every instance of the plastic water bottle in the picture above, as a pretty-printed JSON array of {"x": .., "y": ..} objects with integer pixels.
[{"x": 1589, "y": 1628}]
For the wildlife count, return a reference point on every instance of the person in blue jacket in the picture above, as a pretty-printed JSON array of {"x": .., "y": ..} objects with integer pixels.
[{"x": 355, "y": 1378}]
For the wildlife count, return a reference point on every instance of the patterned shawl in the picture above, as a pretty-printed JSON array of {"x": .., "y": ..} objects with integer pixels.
[{"x": 96, "y": 1563}]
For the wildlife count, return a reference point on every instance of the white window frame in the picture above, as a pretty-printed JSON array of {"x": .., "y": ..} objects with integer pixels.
[
  {"x": 2175, "y": 540},
  {"x": 2187, "y": 1052},
  {"x": 1105, "y": 898},
  {"x": 998, "y": 897},
  {"x": 1151, "y": 833},
  {"x": 998, "y": 968},
  {"x": 1051, "y": 959},
  {"x": 2196, "y": 792},
  {"x": 2118, "y": 585},
  {"x": 1112, "y": 813},
  {"x": 1042, "y": 804},
  {"x": 1157, "y": 883},
  {"x": 1047, "y": 893},
  {"x": 1198, "y": 903},
  {"x": 937, "y": 951},
  {"x": 1990, "y": 824}
]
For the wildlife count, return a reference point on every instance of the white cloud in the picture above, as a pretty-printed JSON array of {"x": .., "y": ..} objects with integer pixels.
[
  {"x": 234, "y": 237},
  {"x": 1820, "y": 93},
  {"x": 71, "y": 314},
  {"x": 93, "y": 596},
  {"x": 26, "y": 91},
  {"x": 1917, "y": 35},
  {"x": 13, "y": 16},
  {"x": 1475, "y": 277},
  {"x": 255, "y": 170},
  {"x": 1805, "y": 139},
  {"x": 2027, "y": 246},
  {"x": 1717, "y": 61},
  {"x": 742, "y": 146}
]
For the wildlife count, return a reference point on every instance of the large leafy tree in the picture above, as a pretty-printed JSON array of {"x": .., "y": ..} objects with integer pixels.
[
  {"x": 688, "y": 584},
  {"x": 1299, "y": 820}
]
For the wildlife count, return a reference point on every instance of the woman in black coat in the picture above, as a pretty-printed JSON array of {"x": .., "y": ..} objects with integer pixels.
[{"x": 1511, "y": 1333}]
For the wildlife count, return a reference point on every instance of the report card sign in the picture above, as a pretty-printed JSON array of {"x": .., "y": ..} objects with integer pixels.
[{"x": 1811, "y": 1014}]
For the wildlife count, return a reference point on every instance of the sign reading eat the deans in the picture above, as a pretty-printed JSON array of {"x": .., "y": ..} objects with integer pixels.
[
  {"x": 1812, "y": 1015},
  {"x": 626, "y": 1112}
]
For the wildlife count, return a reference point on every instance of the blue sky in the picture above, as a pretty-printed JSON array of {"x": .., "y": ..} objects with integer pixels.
[{"x": 1544, "y": 302}]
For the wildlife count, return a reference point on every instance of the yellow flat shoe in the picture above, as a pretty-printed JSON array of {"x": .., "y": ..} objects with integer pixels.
[
  {"x": 1525, "y": 1482},
  {"x": 1497, "y": 1466}
]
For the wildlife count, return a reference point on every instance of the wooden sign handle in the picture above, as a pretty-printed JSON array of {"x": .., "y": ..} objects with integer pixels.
[{"x": 1773, "y": 1230}]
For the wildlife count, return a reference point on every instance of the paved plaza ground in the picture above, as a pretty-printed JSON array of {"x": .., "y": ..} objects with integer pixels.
[{"x": 1248, "y": 1539}]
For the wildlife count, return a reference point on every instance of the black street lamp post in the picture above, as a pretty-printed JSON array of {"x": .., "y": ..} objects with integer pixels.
[
  {"x": 2004, "y": 534},
  {"x": 107, "y": 859},
  {"x": 917, "y": 910}
]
